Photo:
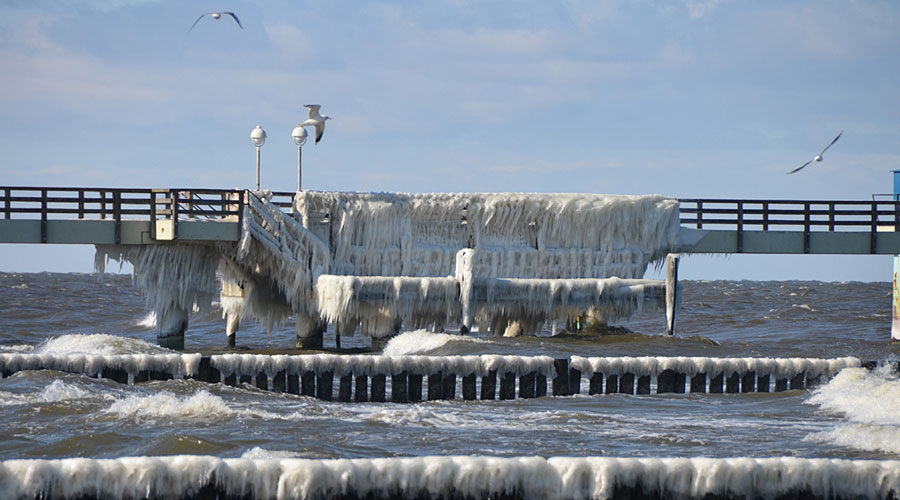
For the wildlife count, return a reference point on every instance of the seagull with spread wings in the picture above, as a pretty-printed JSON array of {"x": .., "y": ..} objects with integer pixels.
[
  {"x": 818, "y": 156},
  {"x": 316, "y": 120},
  {"x": 217, "y": 15}
]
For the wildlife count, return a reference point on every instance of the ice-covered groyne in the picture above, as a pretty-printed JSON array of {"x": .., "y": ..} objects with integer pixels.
[
  {"x": 408, "y": 378},
  {"x": 380, "y": 261},
  {"x": 453, "y": 477}
]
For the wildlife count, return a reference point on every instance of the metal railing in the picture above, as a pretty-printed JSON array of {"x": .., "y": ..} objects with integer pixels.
[
  {"x": 792, "y": 215},
  {"x": 86, "y": 203}
]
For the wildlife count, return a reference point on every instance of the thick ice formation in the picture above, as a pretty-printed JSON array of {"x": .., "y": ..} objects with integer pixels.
[
  {"x": 649, "y": 365},
  {"x": 516, "y": 235},
  {"x": 177, "y": 365},
  {"x": 369, "y": 248},
  {"x": 450, "y": 477},
  {"x": 253, "y": 364}
]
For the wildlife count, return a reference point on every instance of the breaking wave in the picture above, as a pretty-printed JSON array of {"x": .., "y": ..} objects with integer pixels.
[
  {"x": 867, "y": 402},
  {"x": 422, "y": 342},
  {"x": 96, "y": 344}
]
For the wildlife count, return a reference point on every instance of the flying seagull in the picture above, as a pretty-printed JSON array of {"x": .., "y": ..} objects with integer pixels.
[
  {"x": 818, "y": 156},
  {"x": 217, "y": 15},
  {"x": 316, "y": 120}
]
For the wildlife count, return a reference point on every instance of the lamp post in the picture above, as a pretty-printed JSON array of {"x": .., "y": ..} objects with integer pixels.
[
  {"x": 299, "y": 134},
  {"x": 258, "y": 138}
]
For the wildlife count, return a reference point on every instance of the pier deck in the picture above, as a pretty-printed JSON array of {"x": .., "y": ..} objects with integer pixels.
[{"x": 714, "y": 226}]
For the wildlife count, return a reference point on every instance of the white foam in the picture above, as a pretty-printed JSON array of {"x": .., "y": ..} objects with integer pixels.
[
  {"x": 96, "y": 344},
  {"x": 166, "y": 406},
  {"x": 869, "y": 402},
  {"x": 458, "y": 476},
  {"x": 148, "y": 321},
  {"x": 422, "y": 342},
  {"x": 257, "y": 453},
  {"x": 61, "y": 391}
]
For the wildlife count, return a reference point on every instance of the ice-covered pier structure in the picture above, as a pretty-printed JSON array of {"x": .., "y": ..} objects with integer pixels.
[{"x": 506, "y": 263}]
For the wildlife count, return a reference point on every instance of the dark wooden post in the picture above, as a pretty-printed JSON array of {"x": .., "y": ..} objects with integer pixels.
[
  {"x": 114, "y": 374},
  {"x": 362, "y": 389},
  {"x": 781, "y": 384},
  {"x": 748, "y": 382},
  {"x": 665, "y": 382},
  {"x": 117, "y": 215},
  {"x": 873, "y": 246},
  {"x": 716, "y": 384},
  {"x": 733, "y": 383},
  {"x": 698, "y": 383},
  {"x": 797, "y": 381},
  {"x": 81, "y": 203},
  {"x": 596, "y": 384},
  {"x": 293, "y": 383},
  {"x": 740, "y": 227},
  {"x": 806, "y": 225},
  {"x": 378, "y": 388},
  {"x": 308, "y": 384},
  {"x": 468, "y": 387},
  {"x": 626, "y": 383},
  {"x": 279, "y": 383},
  {"x": 574, "y": 382},
  {"x": 540, "y": 389},
  {"x": 231, "y": 380},
  {"x": 399, "y": 388},
  {"x": 489, "y": 385},
  {"x": 561, "y": 381},
  {"x": 643, "y": 384},
  {"x": 414, "y": 387},
  {"x": 435, "y": 386},
  {"x": 680, "y": 381},
  {"x": 612, "y": 384},
  {"x": 762, "y": 383},
  {"x": 508, "y": 386},
  {"x": 43, "y": 216},
  {"x": 245, "y": 379},
  {"x": 526, "y": 385},
  {"x": 325, "y": 385},
  {"x": 345, "y": 389},
  {"x": 448, "y": 386}
]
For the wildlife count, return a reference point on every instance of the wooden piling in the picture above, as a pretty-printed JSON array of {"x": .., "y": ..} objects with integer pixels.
[
  {"x": 748, "y": 382},
  {"x": 680, "y": 381},
  {"x": 245, "y": 379},
  {"x": 308, "y": 384},
  {"x": 115, "y": 374},
  {"x": 717, "y": 384},
  {"x": 435, "y": 386},
  {"x": 231, "y": 380},
  {"x": 526, "y": 385},
  {"x": 698, "y": 383},
  {"x": 157, "y": 375},
  {"x": 797, "y": 381},
  {"x": 378, "y": 388},
  {"x": 540, "y": 389},
  {"x": 293, "y": 383},
  {"x": 574, "y": 382},
  {"x": 671, "y": 291},
  {"x": 448, "y": 386},
  {"x": 561, "y": 380},
  {"x": 325, "y": 385},
  {"x": 262, "y": 381},
  {"x": 489, "y": 385},
  {"x": 595, "y": 386},
  {"x": 733, "y": 383},
  {"x": 362, "y": 389},
  {"x": 508, "y": 386},
  {"x": 665, "y": 382},
  {"x": 612, "y": 384},
  {"x": 762, "y": 383},
  {"x": 643, "y": 384},
  {"x": 345, "y": 388},
  {"x": 468, "y": 387},
  {"x": 781, "y": 384},
  {"x": 203, "y": 370},
  {"x": 626, "y": 383},
  {"x": 400, "y": 388},
  {"x": 414, "y": 388},
  {"x": 279, "y": 383}
]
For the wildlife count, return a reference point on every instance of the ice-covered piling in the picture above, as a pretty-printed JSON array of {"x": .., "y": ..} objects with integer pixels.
[{"x": 453, "y": 477}]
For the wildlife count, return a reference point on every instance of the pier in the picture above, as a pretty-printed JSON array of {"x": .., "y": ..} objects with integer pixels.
[{"x": 373, "y": 262}]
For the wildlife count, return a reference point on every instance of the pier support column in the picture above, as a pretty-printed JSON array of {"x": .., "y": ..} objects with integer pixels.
[
  {"x": 231, "y": 296},
  {"x": 232, "y": 323},
  {"x": 310, "y": 332},
  {"x": 170, "y": 327},
  {"x": 671, "y": 291}
]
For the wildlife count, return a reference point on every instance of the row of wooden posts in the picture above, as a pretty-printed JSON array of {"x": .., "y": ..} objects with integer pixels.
[{"x": 408, "y": 387}]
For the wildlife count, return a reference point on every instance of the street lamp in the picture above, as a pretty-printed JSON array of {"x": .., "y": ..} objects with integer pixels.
[
  {"x": 258, "y": 138},
  {"x": 299, "y": 134}
]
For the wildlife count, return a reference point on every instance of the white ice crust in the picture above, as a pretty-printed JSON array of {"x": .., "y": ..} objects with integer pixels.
[{"x": 475, "y": 477}]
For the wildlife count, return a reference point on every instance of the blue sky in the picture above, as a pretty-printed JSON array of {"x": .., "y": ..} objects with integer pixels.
[{"x": 684, "y": 98}]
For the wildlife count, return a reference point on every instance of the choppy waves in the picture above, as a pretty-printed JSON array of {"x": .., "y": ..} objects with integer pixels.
[{"x": 868, "y": 404}]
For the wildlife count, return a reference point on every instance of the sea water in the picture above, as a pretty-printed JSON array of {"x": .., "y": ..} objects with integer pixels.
[{"x": 48, "y": 414}]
